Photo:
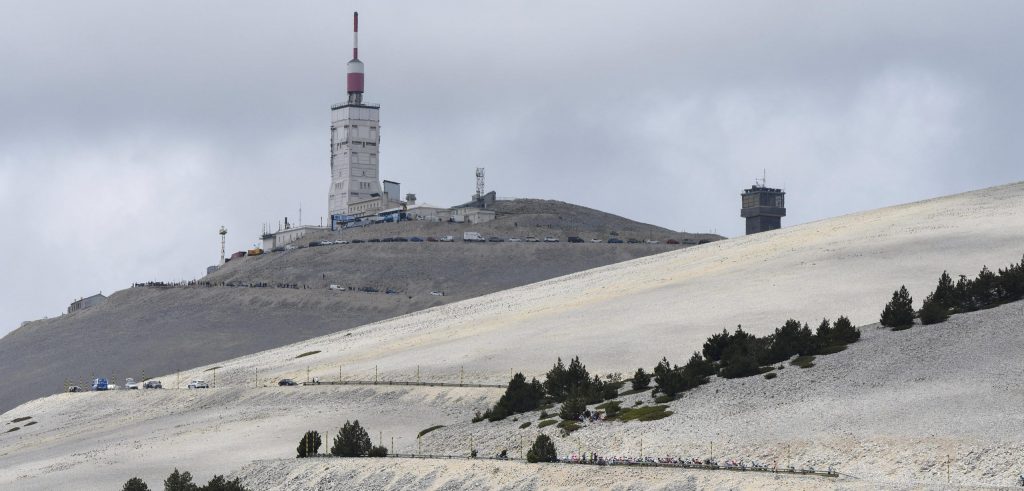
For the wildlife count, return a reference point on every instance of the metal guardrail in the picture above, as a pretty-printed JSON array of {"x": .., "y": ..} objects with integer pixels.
[
  {"x": 402, "y": 382},
  {"x": 610, "y": 463}
]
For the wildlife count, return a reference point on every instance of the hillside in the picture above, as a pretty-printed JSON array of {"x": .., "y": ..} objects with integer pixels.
[
  {"x": 146, "y": 331},
  {"x": 888, "y": 410}
]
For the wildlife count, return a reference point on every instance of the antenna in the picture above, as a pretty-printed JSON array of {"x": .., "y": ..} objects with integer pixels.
[
  {"x": 223, "y": 235},
  {"x": 479, "y": 182}
]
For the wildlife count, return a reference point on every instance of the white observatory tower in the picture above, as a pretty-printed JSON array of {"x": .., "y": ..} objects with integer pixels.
[
  {"x": 223, "y": 235},
  {"x": 355, "y": 145}
]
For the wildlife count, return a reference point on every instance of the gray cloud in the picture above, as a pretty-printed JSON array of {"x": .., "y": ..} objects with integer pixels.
[{"x": 131, "y": 131}]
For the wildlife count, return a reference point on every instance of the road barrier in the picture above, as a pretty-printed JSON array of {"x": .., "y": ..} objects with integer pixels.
[
  {"x": 831, "y": 473},
  {"x": 402, "y": 382}
]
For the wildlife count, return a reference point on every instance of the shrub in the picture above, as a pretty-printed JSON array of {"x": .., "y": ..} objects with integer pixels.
[
  {"x": 135, "y": 484},
  {"x": 933, "y": 311},
  {"x": 898, "y": 314},
  {"x": 610, "y": 408},
  {"x": 828, "y": 350},
  {"x": 179, "y": 481},
  {"x": 546, "y": 422},
  {"x": 791, "y": 339},
  {"x": 568, "y": 427},
  {"x": 428, "y": 430},
  {"x": 663, "y": 399},
  {"x": 545, "y": 415},
  {"x": 770, "y": 375},
  {"x": 806, "y": 361},
  {"x": 308, "y": 353},
  {"x": 543, "y": 450},
  {"x": 637, "y": 402},
  {"x": 560, "y": 381},
  {"x": 646, "y": 413},
  {"x": 525, "y": 425},
  {"x": 380, "y": 451},
  {"x": 573, "y": 408},
  {"x": 352, "y": 441},
  {"x": 641, "y": 380},
  {"x": 309, "y": 444}
]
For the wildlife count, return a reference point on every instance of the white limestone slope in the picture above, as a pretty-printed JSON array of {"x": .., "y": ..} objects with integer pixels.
[{"x": 616, "y": 318}]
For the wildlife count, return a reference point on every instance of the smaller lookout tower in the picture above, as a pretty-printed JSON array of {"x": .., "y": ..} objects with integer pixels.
[{"x": 763, "y": 207}]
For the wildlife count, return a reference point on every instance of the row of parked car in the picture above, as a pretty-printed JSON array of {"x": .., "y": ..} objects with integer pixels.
[{"x": 100, "y": 384}]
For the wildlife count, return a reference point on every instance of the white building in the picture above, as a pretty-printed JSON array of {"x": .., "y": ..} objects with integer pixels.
[
  {"x": 472, "y": 215},
  {"x": 84, "y": 303},
  {"x": 287, "y": 236}
]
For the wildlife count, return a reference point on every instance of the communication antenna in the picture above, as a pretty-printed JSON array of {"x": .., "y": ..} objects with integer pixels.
[
  {"x": 479, "y": 182},
  {"x": 762, "y": 182},
  {"x": 223, "y": 236},
  {"x": 300, "y": 213}
]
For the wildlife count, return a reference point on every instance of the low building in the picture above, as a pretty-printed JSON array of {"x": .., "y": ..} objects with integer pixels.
[
  {"x": 472, "y": 215},
  {"x": 286, "y": 236},
  {"x": 84, "y": 303},
  {"x": 428, "y": 212}
]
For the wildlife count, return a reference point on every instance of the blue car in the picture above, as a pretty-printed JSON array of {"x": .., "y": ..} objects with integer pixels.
[{"x": 99, "y": 384}]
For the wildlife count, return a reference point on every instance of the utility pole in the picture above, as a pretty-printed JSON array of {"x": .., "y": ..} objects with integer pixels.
[
  {"x": 375, "y": 374},
  {"x": 462, "y": 374}
]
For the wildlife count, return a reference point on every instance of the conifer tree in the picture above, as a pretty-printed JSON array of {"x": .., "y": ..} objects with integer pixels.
[
  {"x": 543, "y": 450},
  {"x": 898, "y": 314},
  {"x": 352, "y": 441}
]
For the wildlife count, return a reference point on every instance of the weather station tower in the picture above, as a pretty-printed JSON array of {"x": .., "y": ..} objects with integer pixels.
[
  {"x": 763, "y": 207},
  {"x": 355, "y": 144}
]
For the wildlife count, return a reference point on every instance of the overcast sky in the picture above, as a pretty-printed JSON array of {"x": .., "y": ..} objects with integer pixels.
[{"x": 130, "y": 131}]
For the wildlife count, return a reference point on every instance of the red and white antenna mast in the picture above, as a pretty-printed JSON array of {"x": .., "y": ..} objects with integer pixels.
[{"x": 355, "y": 67}]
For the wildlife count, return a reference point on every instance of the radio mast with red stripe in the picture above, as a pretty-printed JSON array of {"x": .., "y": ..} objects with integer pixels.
[{"x": 355, "y": 67}]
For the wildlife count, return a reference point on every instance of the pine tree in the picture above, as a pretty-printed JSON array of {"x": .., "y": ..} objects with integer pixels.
[
  {"x": 898, "y": 314},
  {"x": 844, "y": 332},
  {"x": 179, "y": 481},
  {"x": 220, "y": 483},
  {"x": 135, "y": 484},
  {"x": 543, "y": 450},
  {"x": 309, "y": 445},
  {"x": 933, "y": 311},
  {"x": 641, "y": 380},
  {"x": 352, "y": 441},
  {"x": 573, "y": 407}
]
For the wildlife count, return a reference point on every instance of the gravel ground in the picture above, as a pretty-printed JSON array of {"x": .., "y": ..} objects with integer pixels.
[{"x": 890, "y": 410}]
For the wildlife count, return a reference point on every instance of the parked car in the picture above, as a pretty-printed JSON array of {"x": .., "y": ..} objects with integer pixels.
[
  {"x": 614, "y": 240},
  {"x": 290, "y": 247},
  {"x": 336, "y": 287},
  {"x": 431, "y": 239},
  {"x": 415, "y": 239},
  {"x": 286, "y": 382},
  {"x": 632, "y": 241},
  {"x": 575, "y": 240},
  {"x": 400, "y": 239},
  {"x": 152, "y": 384},
  {"x": 530, "y": 238},
  {"x": 672, "y": 241},
  {"x": 649, "y": 241},
  {"x": 358, "y": 241},
  {"x": 387, "y": 239},
  {"x": 100, "y": 384},
  {"x": 198, "y": 384},
  {"x": 341, "y": 242},
  {"x": 129, "y": 383},
  {"x": 74, "y": 388},
  {"x": 550, "y": 239},
  {"x": 326, "y": 242},
  {"x": 495, "y": 239},
  {"x": 374, "y": 240},
  {"x": 514, "y": 239},
  {"x": 447, "y": 238},
  {"x": 437, "y": 293},
  {"x": 595, "y": 241},
  {"x": 278, "y": 249}
]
